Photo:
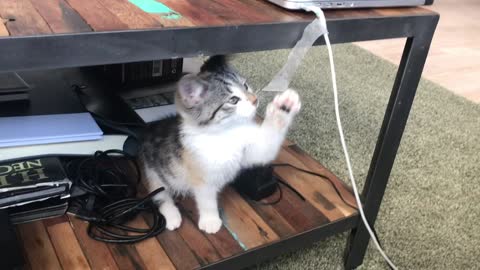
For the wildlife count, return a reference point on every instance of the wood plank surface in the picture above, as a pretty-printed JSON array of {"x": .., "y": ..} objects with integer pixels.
[
  {"x": 60, "y": 16},
  {"x": 66, "y": 245},
  {"x": 97, "y": 16},
  {"x": 298, "y": 215},
  {"x": 174, "y": 18},
  {"x": 223, "y": 242},
  {"x": 126, "y": 256},
  {"x": 275, "y": 12},
  {"x": 129, "y": 14},
  {"x": 317, "y": 191},
  {"x": 3, "y": 28},
  {"x": 98, "y": 254},
  {"x": 173, "y": 244},
  {"x": 272, "y": 217},
  {"x": 73, "y": 16},
  {"x": 247, "y": 225},
  {"x": 177, "y": 250},
  {"x": 152, "y": 254},
  {"x": 22, "y": 18},
  {"x": 195, "y": 13},
  {"x": 345, "y": 191},
  {"x": 38, "y": 247},
  {"x": 196, "y": 241},
  {"x": 240, "y": 218}
]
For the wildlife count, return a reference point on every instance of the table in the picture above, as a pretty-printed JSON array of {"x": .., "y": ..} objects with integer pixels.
[{"x": 72, "y": 33}]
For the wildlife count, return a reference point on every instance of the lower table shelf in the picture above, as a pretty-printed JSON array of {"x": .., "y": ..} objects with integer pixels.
[{"x": 251, "y": 233}]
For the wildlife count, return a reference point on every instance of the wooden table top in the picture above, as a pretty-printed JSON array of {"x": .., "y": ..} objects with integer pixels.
[{"x": 46, "y": 17}]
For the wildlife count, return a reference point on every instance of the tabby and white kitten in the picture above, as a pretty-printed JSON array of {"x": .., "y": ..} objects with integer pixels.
[{"x": 213, "y": 136}]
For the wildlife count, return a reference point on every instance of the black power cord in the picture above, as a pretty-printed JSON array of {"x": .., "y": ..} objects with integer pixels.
[
  {"x": 315, "y": 174},
  {"x": 109, "y": 198}
]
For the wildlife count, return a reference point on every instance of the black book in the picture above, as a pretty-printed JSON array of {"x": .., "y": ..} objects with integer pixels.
[
  {"x": 38, "y": 210},
  {"x": 27, "y": 181}
]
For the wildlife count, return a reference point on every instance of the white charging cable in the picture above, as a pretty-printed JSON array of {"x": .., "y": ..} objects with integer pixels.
[{"x": 321, "y": 16}]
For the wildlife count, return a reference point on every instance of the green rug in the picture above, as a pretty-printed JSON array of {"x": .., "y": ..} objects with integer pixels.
[{"x": 430, "y": 215}]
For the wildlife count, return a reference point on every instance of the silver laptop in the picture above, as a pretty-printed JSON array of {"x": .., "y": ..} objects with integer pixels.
[{"x": 329, "y": 4}]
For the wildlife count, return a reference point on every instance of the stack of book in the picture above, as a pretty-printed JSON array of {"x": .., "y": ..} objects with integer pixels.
[{"x": 34, "y": 189}]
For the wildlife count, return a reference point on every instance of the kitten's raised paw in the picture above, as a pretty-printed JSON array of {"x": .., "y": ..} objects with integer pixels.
[
  {"x": 172, "y": 216},
  {"x": 288, "y": 101},
  {"x": 284, "y": 107},
  {"x": 210, "y": 224}
]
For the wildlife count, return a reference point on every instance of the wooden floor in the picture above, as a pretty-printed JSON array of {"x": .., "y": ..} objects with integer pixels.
[
  {"x": 454, "y": 60},
  {"x": 62, "y": 243}
]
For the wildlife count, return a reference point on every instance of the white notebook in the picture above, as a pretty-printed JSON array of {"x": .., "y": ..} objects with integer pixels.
[
  {"x": 43, "y": 129},
  {"x": 58, "y": 149}
]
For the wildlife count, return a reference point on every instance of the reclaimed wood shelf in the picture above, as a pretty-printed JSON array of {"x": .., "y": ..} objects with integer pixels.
[{"x": 251, "y": 233}]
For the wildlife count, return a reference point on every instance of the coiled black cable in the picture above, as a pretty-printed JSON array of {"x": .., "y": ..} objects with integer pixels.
[{"x": 109, "y": 199}]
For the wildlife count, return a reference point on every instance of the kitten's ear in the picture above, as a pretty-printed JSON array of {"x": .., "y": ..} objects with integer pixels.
[
  {"x": 192, "y": 90},
  {"x": 215, "y": 63}
]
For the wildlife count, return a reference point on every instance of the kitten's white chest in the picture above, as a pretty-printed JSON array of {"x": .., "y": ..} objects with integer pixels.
[
  {"x": 216, "y": 148},
  {"x": 220, "y": 153}
]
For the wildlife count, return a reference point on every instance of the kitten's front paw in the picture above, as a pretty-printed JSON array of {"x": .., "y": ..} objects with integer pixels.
[
  {"x": 283, "y": 108},
  {"x": 210, "y": 224},
  {"x": 172, "y": 216}
]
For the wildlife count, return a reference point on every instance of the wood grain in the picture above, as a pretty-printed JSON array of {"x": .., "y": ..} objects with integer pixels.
[
  {"x": 152, "y": 254},
  {"x": 345, "y": 191},
  {"x": 22, "y": 18},
  {"x": 60, "y": 16},
  {"x": 204, "y": 251},
  {"x": 168, "y": 21},
  {"x": 3, "y": 28},
  {"x": 299, "y": 215},
  {"x": 244, "y": 222},
  {"x": 65, "y": 243},
  {"x": 178, "y": 251},
  {"x": 130, "y": 14},
  {"x": 241, "y": 11},
  {"x": 195, "y": 13},
  {"x": 97, "y": 16},
  {"x": 40, "y": 252},
  {"x": 316, "y": 190},
  {"x": 126, "y": 256},
  {"x": 97, "y": 253},
  {"x": 227, "y": 15},
  {"x": 223, "y": 242},
  {"x": 273, "y": 218},
  {"x": 275, "y": 12}
]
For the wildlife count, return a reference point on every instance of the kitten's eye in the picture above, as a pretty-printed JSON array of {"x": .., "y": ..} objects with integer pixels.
[{"x": 233, "y": 100}]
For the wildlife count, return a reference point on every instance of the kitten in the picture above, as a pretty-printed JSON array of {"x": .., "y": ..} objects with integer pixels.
[{"x": 213, "y": 136}]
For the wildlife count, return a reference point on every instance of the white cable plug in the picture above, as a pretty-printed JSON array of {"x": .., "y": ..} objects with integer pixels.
[{"x": 322, "y": 20}]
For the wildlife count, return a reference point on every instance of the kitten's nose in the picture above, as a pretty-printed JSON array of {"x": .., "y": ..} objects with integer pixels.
[{"x": 253, "y": 99}]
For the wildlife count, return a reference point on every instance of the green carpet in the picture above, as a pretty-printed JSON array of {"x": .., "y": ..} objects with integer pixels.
[{"x": 430, "y": 215}]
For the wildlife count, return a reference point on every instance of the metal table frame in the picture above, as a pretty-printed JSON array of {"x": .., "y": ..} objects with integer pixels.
[{"x": 94, "y": 48}]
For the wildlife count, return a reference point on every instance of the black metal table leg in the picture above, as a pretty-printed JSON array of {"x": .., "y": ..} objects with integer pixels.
[{"x": 395, "y": 119}]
